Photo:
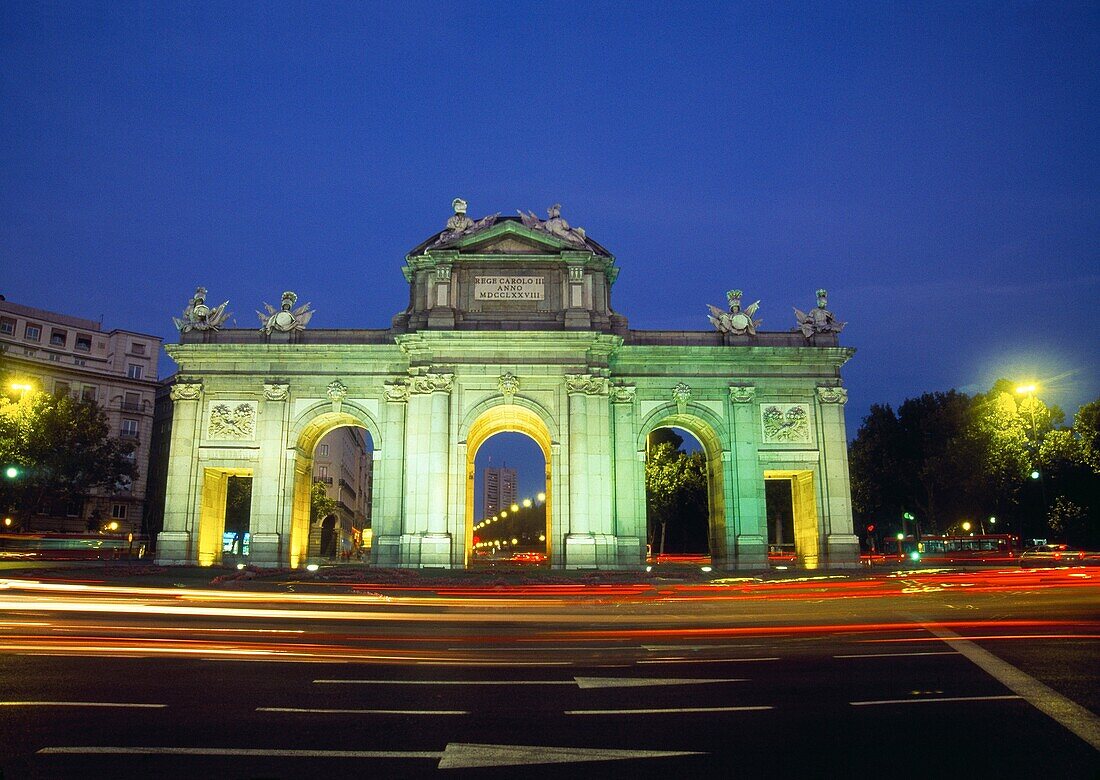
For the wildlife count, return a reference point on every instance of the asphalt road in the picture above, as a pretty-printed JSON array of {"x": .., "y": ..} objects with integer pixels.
[{"x": 928, "y": 676}]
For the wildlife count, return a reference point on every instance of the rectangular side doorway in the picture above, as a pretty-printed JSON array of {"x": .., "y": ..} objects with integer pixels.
[
  {"x": 792, "y": 516},
  {"x": 226, "y": 504}
]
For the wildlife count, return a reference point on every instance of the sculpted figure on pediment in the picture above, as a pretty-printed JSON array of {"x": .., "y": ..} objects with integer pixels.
[
  {"x": 818, "y": 319},
  {"x": 199, "y": 316}
]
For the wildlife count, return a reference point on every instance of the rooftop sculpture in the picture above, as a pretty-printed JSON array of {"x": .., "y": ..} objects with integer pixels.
[
  {"x": 819, "y": 319},
  {"x": 199, "y": 316},
  {"x": 287, "y": 318},
  {"x": 738, "y": 322}
]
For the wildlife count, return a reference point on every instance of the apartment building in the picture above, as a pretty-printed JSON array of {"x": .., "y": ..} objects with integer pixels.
[
  {"x": 344, "y": 463},
  {"x": 500, "y": 489},
  {"x": 117, "y": 369}
]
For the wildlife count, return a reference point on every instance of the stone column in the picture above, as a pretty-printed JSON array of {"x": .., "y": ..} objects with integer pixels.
[
  {"x": 747, "y": 529},
  {"x": 181, "y": 497},
  {"x": 841, "y": 543},
  {"x": 629, "y": 480},
  {"x": 590, "y": 542},
  {"x": 426, "y": 541},
  {"x": 268, "y": 487},
  {"x": 388, "y": 512}
]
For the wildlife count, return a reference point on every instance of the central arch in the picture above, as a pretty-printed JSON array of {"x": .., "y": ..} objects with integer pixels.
[{"x": 505, "y": 418}]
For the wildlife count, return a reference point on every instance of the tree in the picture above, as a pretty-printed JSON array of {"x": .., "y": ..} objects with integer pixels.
[
  {"x": 61, "y": 449},
  {"x": 320, "y": 505},
  {"x": 676, "y": 489}
]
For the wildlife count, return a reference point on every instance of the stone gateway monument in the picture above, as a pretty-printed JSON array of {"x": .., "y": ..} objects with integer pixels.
[{"x": 509, "y": 327}]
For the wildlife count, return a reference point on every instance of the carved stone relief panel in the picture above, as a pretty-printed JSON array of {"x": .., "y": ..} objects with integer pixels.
[
  {"x": 785, "y": 423},
  {"x": 231, "y": 421}
]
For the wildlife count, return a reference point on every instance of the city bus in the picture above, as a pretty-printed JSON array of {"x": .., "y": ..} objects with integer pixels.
[
  {"x": 976, "y": 548},
  {"x": 57, "y": 547}
]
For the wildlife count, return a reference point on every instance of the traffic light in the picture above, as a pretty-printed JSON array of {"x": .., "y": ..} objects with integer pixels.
[{"x": 870, "y": 528}]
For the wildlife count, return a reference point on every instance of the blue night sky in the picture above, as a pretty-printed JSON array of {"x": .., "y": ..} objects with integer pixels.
[{"x": 934, "y": 165}]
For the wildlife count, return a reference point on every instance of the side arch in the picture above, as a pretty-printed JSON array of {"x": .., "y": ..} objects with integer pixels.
[
  {"x": 705, "y": 426},
  {"x": 307, "y": 429}
]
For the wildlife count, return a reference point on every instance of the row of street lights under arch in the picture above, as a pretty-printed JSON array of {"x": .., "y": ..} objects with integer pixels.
[{"x": 513, "y": 511}]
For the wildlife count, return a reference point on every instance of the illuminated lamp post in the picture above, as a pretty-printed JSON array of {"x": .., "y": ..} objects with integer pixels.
[{"x": 1034, "y": 445}]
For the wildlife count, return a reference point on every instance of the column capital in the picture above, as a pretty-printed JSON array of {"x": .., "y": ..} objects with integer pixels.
[
  {"x": 832, "y": 395},
  {"x": 396, "y": 390},
  {"x": 422, "y": 384},
  {"x": 742, "y": 394},
  {"x": 186, "y": 391},
  {"x": 276, "y": 391},
  {"x": 623, "y": 394},
  {"x": 586, "y": 384}
]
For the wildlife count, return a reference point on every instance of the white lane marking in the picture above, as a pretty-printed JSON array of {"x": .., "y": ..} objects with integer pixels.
[
  {"x": 445, "y": 682},
  {"x": 931, "y": 700},
  {"x": 79, "y": 704},
  {"x": 898, "y": 655},
  {"x": 669, "y": 711},
  {"x": 363, "y": 712},
  {"x": 703, "y": 660},
  {"x": 1081, "y": 721},
  {"x": 641, "y": 682},
  {"x": 456, "y": 755}
]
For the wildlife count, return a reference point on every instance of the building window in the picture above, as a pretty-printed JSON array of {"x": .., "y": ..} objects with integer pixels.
[
  {"x": 78, "y": 361},
  {"x": 58, "y": 338},
  {"x": 73, "y": 507},
  {"x": 129, "y": 429},
  {"x": 135, "y": 371},
  {"x": 88, "y": 393},
  {"x": 7, "y": 326},
  {"x": 83, "y": 343},
  {"x": 56, "y": 358},
  {"x": 322, "y": 472},
  {"x": 118, "y": 511},
  {"x": 132, "y": 402},
  {"x": 322, "y": 450},
  {"x": 32, "y": 332},
  {"x": 138, "y": 349},
  {"x": 61, "y": 388}
]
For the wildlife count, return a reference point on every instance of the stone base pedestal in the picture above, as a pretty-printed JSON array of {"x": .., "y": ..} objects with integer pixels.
[
  {"x": 423, "y": 551},
  {"x": 264, "y": 550},
  {"x": 630, "y": 551},
  {"x": 751, "y": 554},
  {"x": 442, "y": 317},
  {"x": 842, "y": 551},
  {"x": 578, "y": 319},
  {"x": 386, "y": 551},
  {"x": 591, "y": 551},
  {"x": 173, "y": 548}
]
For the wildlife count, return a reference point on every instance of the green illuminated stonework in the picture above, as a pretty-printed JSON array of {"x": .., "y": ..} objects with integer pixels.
[{"x": 509, "y": 327}]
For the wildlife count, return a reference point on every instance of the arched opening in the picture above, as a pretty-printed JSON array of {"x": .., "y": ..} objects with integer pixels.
[
  {"x": 331, "y": 516},
  {"x": 685, "y": 498},
  {"x": 508, "y": 488}
]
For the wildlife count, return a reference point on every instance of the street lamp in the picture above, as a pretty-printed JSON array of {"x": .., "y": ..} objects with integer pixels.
[{"x": 1036, "y": 473}]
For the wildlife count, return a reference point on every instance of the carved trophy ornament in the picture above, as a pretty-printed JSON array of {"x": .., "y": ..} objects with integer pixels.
[
  {"x": 460, "y": 225},
  {"x": 555, "y": 225},
  {"x": 199, "y": 316},
  {"x": 238, "y": 422},
  {"x": 818, "y": 319},
  {"x": 285, "y": 319},
  {"x": 737, "y": 321}
]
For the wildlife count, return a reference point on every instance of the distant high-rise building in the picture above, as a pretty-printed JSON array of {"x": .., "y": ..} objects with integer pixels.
[{"x": 500, "y": 489}]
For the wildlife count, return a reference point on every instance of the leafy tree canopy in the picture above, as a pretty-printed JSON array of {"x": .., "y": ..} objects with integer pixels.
[{"x": 61, "y": 447}]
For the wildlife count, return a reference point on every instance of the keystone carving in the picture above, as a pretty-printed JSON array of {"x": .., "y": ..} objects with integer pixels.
[
  {"x": 509, "y": 386},
  {"x": 832, "y": 395},
  {"x": 681, "y": 394},
  {"x": 276, "y": 391},
  {"x": 186, "y": 391},
  {"x": 742, "y": 394},
  {"x": 337, "y": 391}
]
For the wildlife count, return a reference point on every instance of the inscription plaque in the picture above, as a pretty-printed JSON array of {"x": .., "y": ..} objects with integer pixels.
[{"x": 509, "y": 288}]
